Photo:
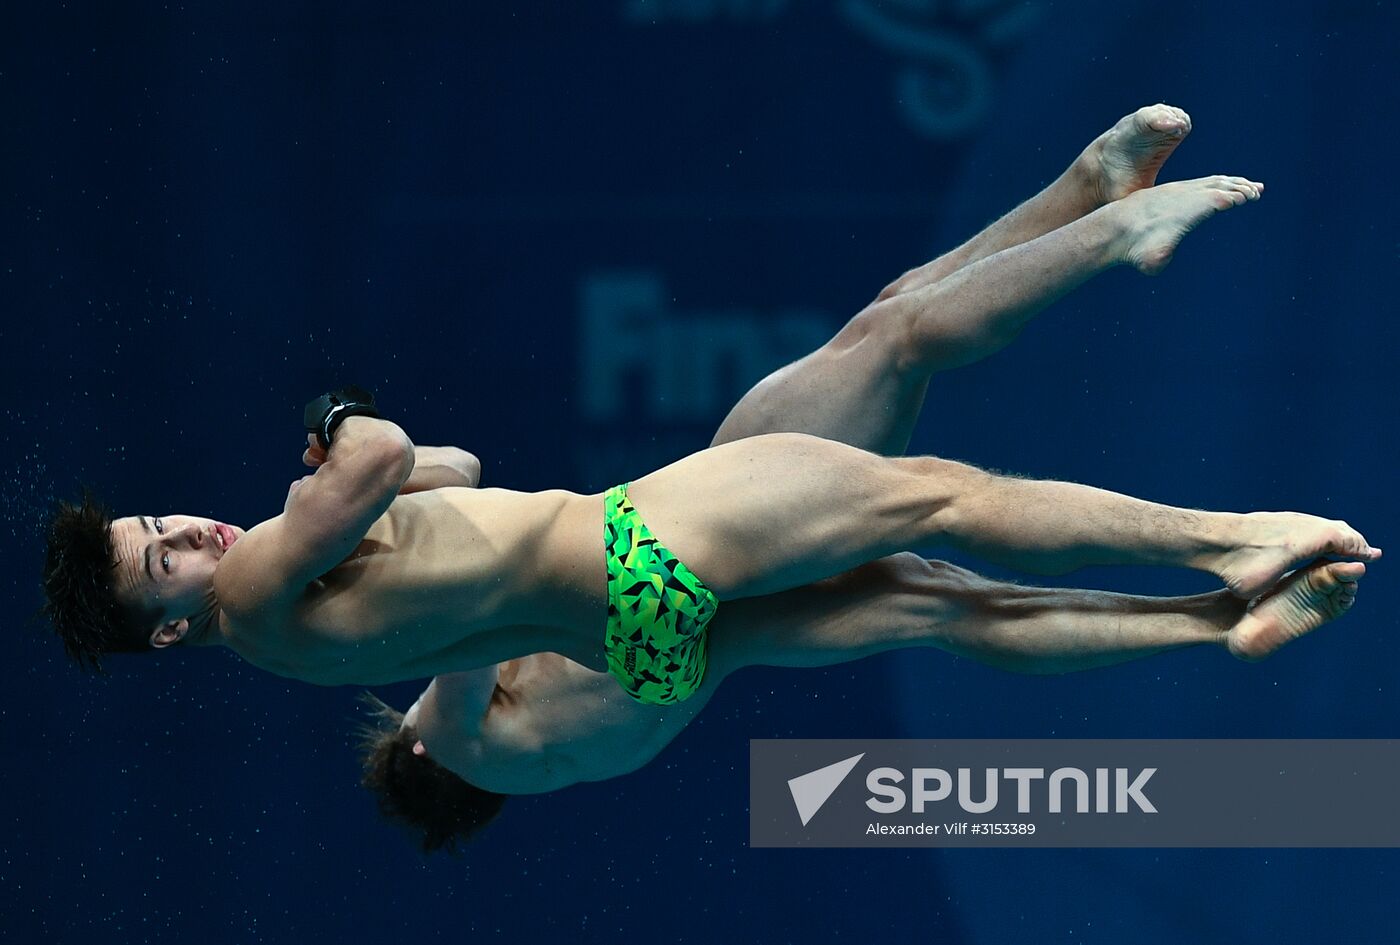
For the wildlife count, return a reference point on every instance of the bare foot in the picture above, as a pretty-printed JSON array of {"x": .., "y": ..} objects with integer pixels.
[
  {"x": 1155, "y": 220},
  {"x": 1302, "y": 602},
  {"x": 1270, "y": 543},
  {"x": 1127, "y": 157}
]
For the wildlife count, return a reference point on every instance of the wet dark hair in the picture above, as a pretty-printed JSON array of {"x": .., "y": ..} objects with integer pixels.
[
  {"x": 440, "y": 809},
  {"x": 81, "y": 601}
]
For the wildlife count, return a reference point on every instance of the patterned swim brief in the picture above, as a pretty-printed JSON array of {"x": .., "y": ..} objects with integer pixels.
[{"x": 658, "y": 611}]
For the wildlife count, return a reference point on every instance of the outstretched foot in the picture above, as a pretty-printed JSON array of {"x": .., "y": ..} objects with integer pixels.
[
  {"x": 1154, "y": 221},
  {"x": 1302, "y": 602},
  {"x": 1267, "y": 544},
  {"x": 1126, "y": 158}
]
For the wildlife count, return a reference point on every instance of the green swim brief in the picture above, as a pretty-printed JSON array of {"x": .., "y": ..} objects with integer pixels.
[{"x": 658, "y": 610}]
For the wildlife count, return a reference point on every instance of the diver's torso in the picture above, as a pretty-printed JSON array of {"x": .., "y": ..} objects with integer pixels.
[
  {"x": 447, "y": 579},
  {"x": 553, "y": 722}
]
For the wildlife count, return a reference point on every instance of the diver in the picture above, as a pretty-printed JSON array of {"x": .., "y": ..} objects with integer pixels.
[
  {"x": 379, "y": 570},
  {"x": 542, "y": 722}
]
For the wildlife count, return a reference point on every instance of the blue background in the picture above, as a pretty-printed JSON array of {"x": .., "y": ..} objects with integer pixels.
[{"x": 214, "y": 212}]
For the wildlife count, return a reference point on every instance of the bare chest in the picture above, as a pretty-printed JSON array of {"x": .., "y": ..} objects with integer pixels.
[
  {"x": 577, "y": 724},
  {"x": 440, "y": 583}
]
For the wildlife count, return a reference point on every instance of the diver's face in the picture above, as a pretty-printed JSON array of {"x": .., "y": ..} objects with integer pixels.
[
  {"x": 166, "y": 563},
  {"x": 410, "y": 720}
]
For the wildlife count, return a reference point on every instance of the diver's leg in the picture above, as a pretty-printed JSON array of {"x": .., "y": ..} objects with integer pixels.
[
  {"x": 773, "y": 512},
  {"x": 904, "y": 601},
  {"x": 866, "y": 385},
  {"x": 1122, "y": 160},
  {"x": 871, "y": 392}
]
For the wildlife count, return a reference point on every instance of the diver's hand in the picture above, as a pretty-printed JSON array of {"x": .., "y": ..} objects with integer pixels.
[{"x": 315, "y": 455}]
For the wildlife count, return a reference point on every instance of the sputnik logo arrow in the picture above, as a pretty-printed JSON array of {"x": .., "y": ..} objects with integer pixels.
[{"x": 811, "y": 790}]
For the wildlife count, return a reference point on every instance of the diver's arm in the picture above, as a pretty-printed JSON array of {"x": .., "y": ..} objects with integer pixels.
[
  {"x": 326, "y": 516},
  {"x": 433, "y": 467},
  {"x": 437, "y": 466},
  {"x": 459, "y": 701}
]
